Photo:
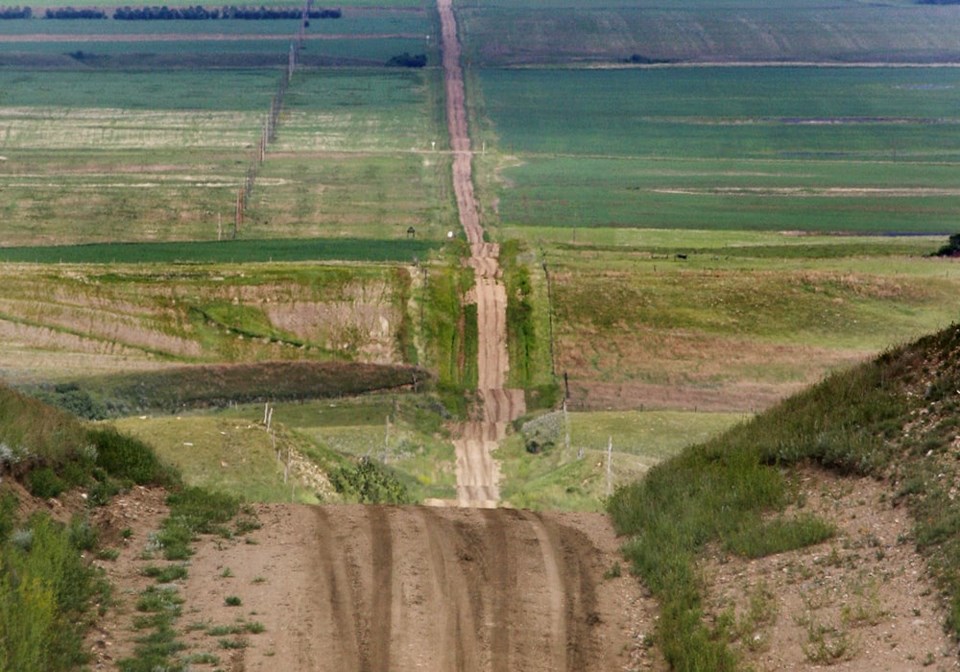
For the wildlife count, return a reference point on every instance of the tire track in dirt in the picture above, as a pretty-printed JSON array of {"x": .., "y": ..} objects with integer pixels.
[
  {"x": 375, "y": 588},
  {"x": 478, "y": 474}
]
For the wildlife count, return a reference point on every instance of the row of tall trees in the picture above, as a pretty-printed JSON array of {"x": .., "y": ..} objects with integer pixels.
[
  {"x": 164, "y": 13},
  {"x": 16, "y": 13},
  {"x": 72, "y": 13}
]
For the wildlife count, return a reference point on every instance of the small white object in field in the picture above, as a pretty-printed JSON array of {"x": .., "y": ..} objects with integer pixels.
[{"x": 449, "y": 234}]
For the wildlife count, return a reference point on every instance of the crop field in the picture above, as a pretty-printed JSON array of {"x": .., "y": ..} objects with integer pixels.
[
  {"x": 358, "y": 154},
  {"x": 567, "y": 32},
  {"x": 160, "y": 156},
  {"x": 870, "y": 150}
]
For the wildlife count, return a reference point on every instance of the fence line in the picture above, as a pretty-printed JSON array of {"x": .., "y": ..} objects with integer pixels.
[{"x": 269, "y": 133}]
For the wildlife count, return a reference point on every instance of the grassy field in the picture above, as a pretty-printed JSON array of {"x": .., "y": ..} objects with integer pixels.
[
  {"x": 560, "y": 478},
  {"x": 869, "y": 150},
  {"x": 359, "y": 154},
  {"x": 566, "y": 32},
  {"x": 732, "y": 331},
  {"x": 225, "y": 455}
]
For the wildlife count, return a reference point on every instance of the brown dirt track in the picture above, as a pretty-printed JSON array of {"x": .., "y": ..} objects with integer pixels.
[{"x": 372, "y": 588}]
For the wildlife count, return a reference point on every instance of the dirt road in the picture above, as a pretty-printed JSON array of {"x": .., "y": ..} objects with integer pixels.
[
  {"x": 478, "y": 474},
  {"x": 370, "y": 589}
]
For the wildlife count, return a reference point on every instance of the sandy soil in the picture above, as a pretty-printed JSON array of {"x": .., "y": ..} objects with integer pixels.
[
  {"x": 371, "y": 588},
  {"x": 478, "y": 474}
]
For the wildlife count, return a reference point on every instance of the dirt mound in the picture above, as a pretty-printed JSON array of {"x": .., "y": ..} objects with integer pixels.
[{"x": 415, "y": 588}]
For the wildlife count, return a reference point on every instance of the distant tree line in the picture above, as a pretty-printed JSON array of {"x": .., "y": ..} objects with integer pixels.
[
  {"x": 198, "y": 13},
  {"x": 16, "y": 13},
  {"x": 71, "y": 13},
  {"x": 255, "y": 13},
  {"x": 165, "y": 13},
  {"x": 640, "y": 59},
  {"x": 938, "y": 2},
  {"x": 405, "y": 60}
]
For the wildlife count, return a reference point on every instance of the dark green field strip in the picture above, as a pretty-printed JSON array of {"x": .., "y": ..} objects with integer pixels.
[{"x": 224, "y": 252}]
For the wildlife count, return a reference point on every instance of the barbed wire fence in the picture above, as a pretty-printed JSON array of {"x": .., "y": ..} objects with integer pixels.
[{"x": 268, "y": 134}]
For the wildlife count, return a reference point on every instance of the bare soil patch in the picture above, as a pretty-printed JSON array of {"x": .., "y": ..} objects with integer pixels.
[
  {"x": 860, "y": 602},
  {"x": 405, "y": 588}
]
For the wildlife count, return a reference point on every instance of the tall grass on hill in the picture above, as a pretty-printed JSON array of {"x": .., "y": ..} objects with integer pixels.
[
  {"x": 46, "y": 587},
  {"x": 726, "y": 489}
]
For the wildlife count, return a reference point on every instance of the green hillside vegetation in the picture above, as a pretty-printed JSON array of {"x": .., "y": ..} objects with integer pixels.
[
  {"x": 893, "y": 418},
  {"x": 47, "y": 589}
]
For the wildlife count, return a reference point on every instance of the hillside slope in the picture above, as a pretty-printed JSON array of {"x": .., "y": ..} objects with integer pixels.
[{"x": 763, "y": 491}]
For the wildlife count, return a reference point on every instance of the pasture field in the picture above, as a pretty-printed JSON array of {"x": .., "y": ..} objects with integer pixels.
[
  {"x": 568, "y": 32},
  {"x": 362, "y": 36},
  {"x": 560, "y": 478},
  {"x": 104, "y": 4},
  {"x": 191, "y": 51},
  {"x": 732, "y": 331},
  {"x": 354, "y": 21},
  {"x": 405, "y": 432},
  {"x": 871, "y": 150}
]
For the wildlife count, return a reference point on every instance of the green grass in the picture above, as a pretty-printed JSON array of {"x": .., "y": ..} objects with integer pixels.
[
  {"x": 866, "y": 150},
  {"x": 231, "y": 456},
  {"x": 165, "y": 164},
  {"x": 559, "y": 478},
  {"x": 416, "y": 445},
  {"x": 720, "y": 490}
]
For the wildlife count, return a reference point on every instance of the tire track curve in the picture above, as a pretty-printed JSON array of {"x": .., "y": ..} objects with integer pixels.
[{"x": 377, "y": 588}]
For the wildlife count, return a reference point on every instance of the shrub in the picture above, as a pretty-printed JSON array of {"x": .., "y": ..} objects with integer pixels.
[
  {"x": 369, "y": 483},
  {"x": 43, "y": 482},
  {"x": 127, "y": 458}
]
